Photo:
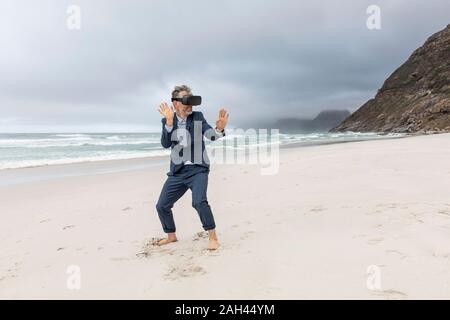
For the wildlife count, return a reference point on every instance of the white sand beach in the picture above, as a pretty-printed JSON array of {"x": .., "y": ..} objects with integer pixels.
[{"x": 335, "y": 218}]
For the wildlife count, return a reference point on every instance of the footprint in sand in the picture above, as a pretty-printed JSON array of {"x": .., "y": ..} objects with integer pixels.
[
  {"x": 374, "y": 212},
  {"x": 441, "y": 254},
  {"x": 150, "y": 248},
  {"x": 387, "y": 205},
  {"x": 12, "y": 271},
  {"x": 271, "y": 290},
  {"x": 200, "y": 235},
  {"x": 396, "y": 252},
  {"x": 375, "y": 241},
  {"x": 186, "y": 271},
  {"x": 392, "y": 294},
  {"x": 246, "y": 235},
  {"x": 143, "y": 254},
  {"x": 120, "y": 259},
  {"x": 317, "y": 209},
  {"x": 444, "y": 212}
]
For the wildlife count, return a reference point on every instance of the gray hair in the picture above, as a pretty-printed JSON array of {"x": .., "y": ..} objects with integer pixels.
[{"x": 176, "y": 91}]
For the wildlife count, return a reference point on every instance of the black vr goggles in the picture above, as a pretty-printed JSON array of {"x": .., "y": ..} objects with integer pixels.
[{"x": 189, "y": 100}]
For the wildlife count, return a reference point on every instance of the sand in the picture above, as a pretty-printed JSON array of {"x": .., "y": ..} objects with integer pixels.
[{"x": 359, "y": 220}]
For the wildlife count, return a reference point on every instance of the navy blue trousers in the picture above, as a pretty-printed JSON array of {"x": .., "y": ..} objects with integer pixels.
[{"x": 192, "y": 177}]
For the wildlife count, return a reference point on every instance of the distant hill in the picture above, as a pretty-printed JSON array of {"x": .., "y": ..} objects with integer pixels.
[
  {"x": 415, "y": 98},
  {"x": 324, "y": 121}
]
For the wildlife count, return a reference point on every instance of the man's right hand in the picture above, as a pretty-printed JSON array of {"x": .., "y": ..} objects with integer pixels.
[{"x": 167, "y": 112}]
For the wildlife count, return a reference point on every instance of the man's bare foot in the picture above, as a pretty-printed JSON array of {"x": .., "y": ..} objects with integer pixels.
[
  {"x": 170, "y": 238},
  {"x": 213, "y": 242},
  {"x": 165, "y": 241}
]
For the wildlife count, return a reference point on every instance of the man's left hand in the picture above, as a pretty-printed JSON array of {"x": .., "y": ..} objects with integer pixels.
[{"x": 222, "y": 120}]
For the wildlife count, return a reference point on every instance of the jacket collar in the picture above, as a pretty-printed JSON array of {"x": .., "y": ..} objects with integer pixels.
[{"x": 188, "y": 120}]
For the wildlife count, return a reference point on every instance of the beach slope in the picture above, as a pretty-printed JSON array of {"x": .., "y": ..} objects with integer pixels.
[{"x": 364, "y": 220}]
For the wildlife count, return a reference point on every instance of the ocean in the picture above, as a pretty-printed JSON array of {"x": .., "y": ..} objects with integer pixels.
[{"x": 21, "y": 150}]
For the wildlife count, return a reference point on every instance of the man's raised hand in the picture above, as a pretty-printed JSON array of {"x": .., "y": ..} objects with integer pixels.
[
  {"x": 222, "y": 120},
  {"x": 167, "y": 112}
]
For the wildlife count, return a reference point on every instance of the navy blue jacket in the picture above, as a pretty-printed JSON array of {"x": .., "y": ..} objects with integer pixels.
[{"x": 170, "y": 140}]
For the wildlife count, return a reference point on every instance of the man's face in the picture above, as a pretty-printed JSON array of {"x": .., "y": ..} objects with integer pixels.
[{"x": 182, "y": 109}]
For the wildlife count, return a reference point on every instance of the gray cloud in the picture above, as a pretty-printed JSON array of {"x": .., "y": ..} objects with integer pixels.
[{"x": 260, "y": 60}]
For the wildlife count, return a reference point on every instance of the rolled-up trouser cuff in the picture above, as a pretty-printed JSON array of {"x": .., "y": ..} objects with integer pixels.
[{"x": 209, "y": 227}]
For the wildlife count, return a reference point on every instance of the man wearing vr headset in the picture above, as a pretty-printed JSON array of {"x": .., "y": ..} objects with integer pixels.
[{"x": 183, "y": 131}]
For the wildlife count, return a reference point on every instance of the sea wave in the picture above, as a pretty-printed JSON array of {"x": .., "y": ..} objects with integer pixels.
[
  {"x": 71, "y": 135},
  {"x": 26, "y": 142},
  {"x": 81, "y": 144},
  {"x": 28, "y": 150}
]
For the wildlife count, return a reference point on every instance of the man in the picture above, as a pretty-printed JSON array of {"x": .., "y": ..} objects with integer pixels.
[{"x": 183, "y": 130}]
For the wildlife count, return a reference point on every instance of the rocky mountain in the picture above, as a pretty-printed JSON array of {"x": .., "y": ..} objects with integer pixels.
[
  {"x": 322, "y": 122},
  {"x": 415, "y": 98}
]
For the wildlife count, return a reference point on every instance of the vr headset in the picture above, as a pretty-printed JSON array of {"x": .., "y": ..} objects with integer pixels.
[{"x": 189, "y": 100}]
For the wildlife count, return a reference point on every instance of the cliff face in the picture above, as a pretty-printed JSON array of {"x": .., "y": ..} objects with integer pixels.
[{"x": 415, "y": 98}]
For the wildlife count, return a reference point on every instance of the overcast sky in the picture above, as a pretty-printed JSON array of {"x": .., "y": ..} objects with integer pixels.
[{"x": 259, "y": 59}]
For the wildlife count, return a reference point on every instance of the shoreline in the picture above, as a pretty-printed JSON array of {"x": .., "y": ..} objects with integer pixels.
[
  {"x": 285, "y": 144},
  {"x": 86, "y": 168},
  {"x": 321, "y": 143},
  {"x": 44, "y": 172}
]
